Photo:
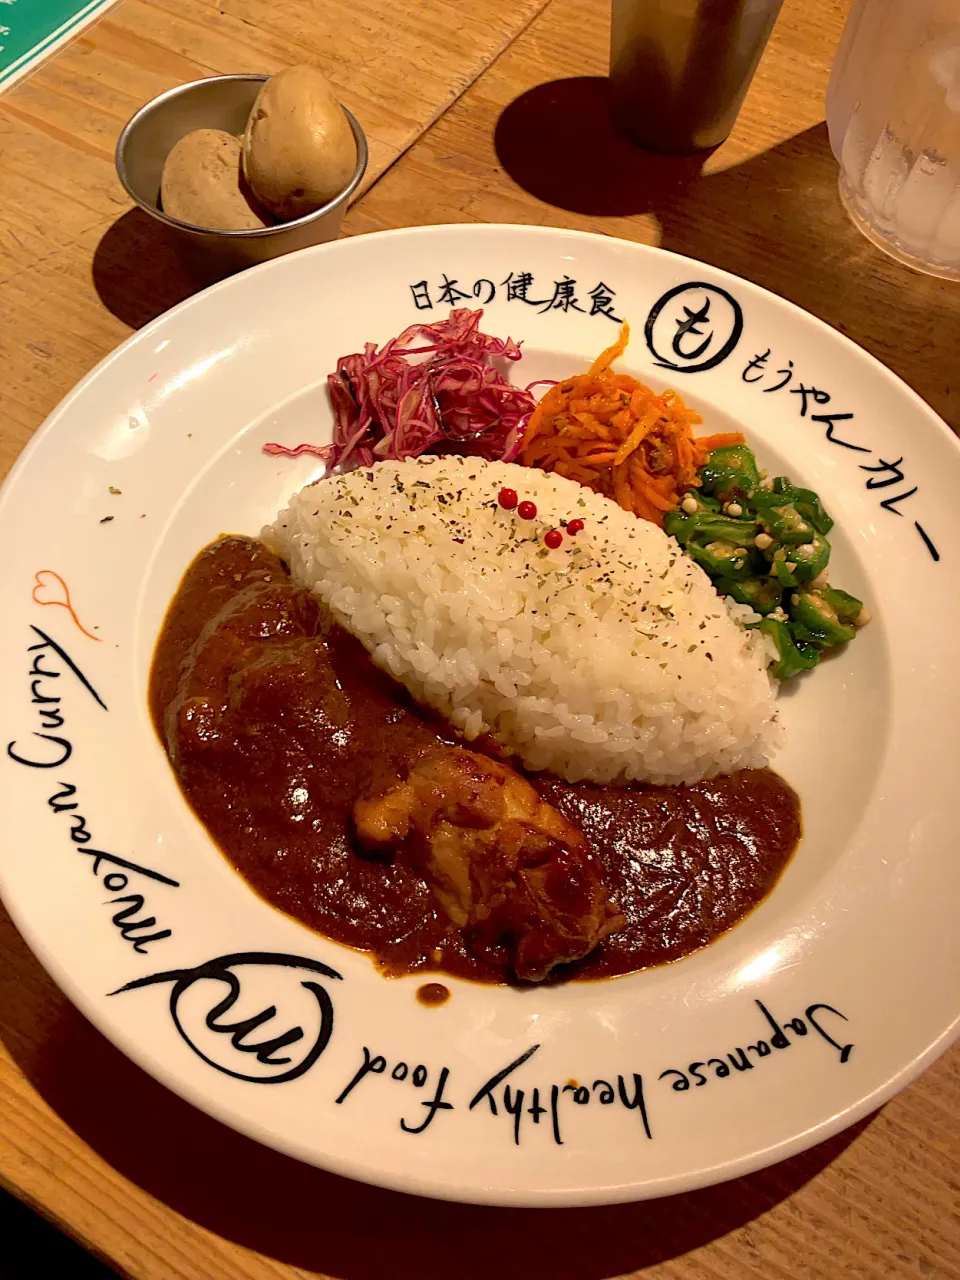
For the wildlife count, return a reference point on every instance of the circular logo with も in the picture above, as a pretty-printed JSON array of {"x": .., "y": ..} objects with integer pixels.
[{"x": 693, "y": 327}]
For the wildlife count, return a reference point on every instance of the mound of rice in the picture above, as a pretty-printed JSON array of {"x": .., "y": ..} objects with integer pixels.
[{"x": 610, "y": 659}]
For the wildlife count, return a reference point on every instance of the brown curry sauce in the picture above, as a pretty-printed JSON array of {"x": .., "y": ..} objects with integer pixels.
[{"x": 305, "y": 723}]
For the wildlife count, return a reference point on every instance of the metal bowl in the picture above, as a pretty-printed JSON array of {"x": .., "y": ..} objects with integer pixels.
[{"x": 220, "y": 102}]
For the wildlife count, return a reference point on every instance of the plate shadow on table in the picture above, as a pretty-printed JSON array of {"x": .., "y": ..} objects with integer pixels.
[
  {"x": 775, "y": 219},
  {"x": 137, "y": 272},
  {"x": 314, "y": 1220}
]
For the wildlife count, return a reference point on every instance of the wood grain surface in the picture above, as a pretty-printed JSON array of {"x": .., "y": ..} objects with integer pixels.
[{"x": 157, "y": 1189}]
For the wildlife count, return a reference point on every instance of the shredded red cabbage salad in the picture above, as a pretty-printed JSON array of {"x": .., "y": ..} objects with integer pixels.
[
  {"x": 434, "y": 385},
  {"x": 284, "y": 451}
]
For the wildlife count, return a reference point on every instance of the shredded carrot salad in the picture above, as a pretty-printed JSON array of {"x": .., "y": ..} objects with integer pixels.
[{"x": 615, "y": 435}]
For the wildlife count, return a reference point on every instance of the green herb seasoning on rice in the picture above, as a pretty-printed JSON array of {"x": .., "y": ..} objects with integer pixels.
[{"x": 609, "y": 657}]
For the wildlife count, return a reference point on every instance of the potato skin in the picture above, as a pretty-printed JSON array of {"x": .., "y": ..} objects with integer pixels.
[
  {"x": 298, "y": 150},
  {"x": 202, "y": 184}
]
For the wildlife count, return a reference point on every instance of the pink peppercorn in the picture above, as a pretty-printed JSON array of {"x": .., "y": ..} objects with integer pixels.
[
  {"x": 527, "y": 511},
  {"x": 507, "y": 499},
  {"x": 552, "y": 538},
  {"x": 574, "y": 526}
]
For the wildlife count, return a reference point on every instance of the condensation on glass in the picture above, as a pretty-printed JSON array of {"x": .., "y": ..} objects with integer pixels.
[{"x": 893, "y": 112}]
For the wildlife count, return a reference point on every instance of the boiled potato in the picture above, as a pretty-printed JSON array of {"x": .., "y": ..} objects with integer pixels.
[
  {"x": 202, "y": 183},
  {"x": 299, "y": 150}
]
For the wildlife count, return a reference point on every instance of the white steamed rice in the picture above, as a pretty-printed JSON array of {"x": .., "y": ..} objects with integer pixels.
[{"x": 610, "y": 659}]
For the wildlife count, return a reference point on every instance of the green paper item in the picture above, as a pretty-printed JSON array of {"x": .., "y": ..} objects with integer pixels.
[{"x": 30, "y": 30}]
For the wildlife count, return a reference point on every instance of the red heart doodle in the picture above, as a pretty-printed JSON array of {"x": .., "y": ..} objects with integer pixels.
[{"x": 50, "y": 588}]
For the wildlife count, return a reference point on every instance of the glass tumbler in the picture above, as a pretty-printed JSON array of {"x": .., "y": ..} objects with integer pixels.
[
  {"x": 893, "y": 113},
  {"x": 679, "y": 69}
]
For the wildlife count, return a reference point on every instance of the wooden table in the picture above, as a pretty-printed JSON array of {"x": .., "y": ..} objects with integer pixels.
[{"x": 469, "y": 106}]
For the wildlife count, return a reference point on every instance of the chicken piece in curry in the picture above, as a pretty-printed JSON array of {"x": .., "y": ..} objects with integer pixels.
[{"x": 500, "y": 861}]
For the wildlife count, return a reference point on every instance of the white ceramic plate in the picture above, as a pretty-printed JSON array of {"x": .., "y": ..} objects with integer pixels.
[{"x": 839, "y": 989}]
